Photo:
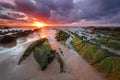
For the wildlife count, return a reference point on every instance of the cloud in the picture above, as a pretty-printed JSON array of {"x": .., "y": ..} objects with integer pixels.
[
  {"x": 68, "y": 11},
  {"x": 43, "y": 9},
  {"x": 6, "y": 5},
  {"x": 2, "y": 16},
  {"x": 13, "y": 16},
  {"x": 16, "y": 15},
  {"x": 1, "y": 8},
  {"x": 94, "y": 9},
  {"x": 62, "y": 11},
  {"x": 38, "y": 11},
  {"x": 114, "y": 19}
]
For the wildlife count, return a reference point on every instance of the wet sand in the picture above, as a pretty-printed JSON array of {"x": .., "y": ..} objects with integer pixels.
[
  {"x": 77, "y": 68},
  {"x": 28, "y": 69}
]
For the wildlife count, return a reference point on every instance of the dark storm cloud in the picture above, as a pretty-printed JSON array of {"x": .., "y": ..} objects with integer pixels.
[
  {"x": 95, "y": 9},
  {"x": 63, "y": 9},
  {"x": 16, "y": 15},
  {"x": 42, "y": 9},
  {"x": 1, "y": 8},
  {"x": 39, "y": 9},
  {"x": 6, "y": 5},
  {"x": 66, "y": 11},
  {"x": 13, "y": 16},
  {"x": 114, "y": 19},
  {"x": 3, "y": 16}
]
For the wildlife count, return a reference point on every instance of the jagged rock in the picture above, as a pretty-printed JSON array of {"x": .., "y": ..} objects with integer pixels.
[
  {"x": 6, "y": 39},
  {"x": 41, "y": 57}
]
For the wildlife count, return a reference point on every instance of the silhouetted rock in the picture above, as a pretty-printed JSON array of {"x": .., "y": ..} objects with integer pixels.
[
  {"x": 4, "y": 27},
  {"x": 6, "y": 39},
  {"x": 9, "y": 36}
]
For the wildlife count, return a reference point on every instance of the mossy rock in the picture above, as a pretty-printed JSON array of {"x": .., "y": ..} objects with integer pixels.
[
  {"x": 41, "y": 57},
  {"x": 113, "y": 45},
  {"x": 30, "y": 48},
  {"x": 109, "y": 65},
  {"x": 114, "y": 75},
  {"x": 61, "y": 63},
  {"x": 50, "y": 56},
  {"x": 61, "y": 35}
]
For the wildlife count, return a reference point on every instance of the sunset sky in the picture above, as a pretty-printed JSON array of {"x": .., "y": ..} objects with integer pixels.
[{"x": 60, "y": 12}]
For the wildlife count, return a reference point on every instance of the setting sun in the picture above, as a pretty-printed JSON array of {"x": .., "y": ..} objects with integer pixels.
[{"x": 39, "y": 24}]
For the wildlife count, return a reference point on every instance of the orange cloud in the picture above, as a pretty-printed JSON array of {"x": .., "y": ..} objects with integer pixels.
[{"x": 5, "y": 22}]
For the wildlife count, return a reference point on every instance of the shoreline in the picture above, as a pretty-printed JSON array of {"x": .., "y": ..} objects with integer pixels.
[{"x": 29, "y": 70}]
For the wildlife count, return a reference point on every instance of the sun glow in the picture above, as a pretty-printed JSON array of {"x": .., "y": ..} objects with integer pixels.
[{"x": 39, "y": 24}]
